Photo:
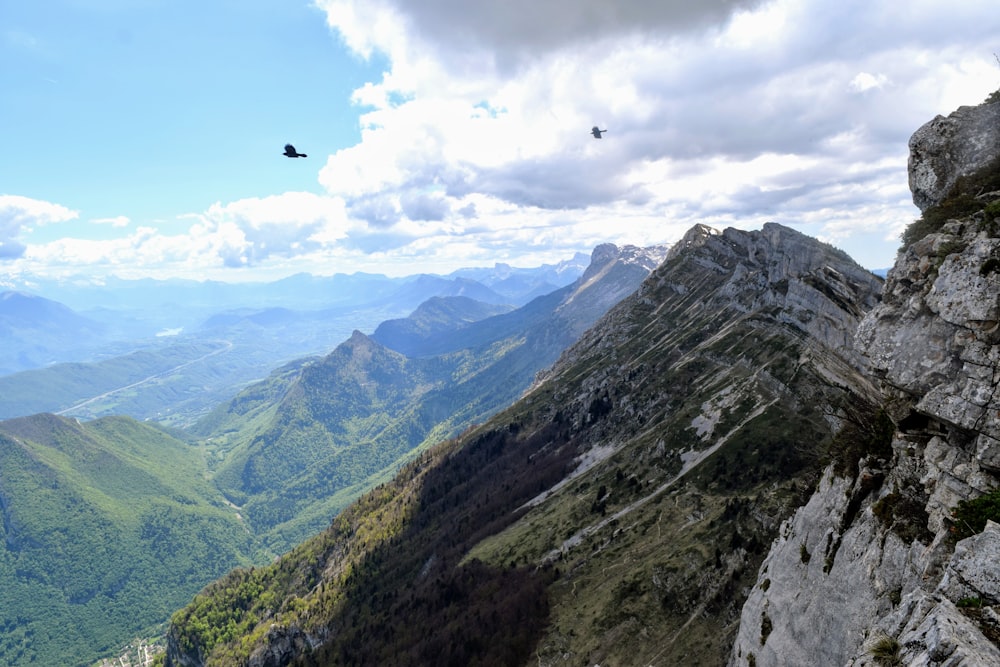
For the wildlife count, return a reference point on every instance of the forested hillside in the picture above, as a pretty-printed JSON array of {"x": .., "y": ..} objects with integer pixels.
[
  {"x": 107, "y": 526},
  {"x": 296, "y": 449}
]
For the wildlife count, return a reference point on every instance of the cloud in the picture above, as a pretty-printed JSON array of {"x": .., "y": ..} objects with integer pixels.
[
  {"x": 249, "y": 231},
  {"x": 21, "y": 214},
  {"x": 117, "y": 221},
  {"x": 722, "y": 112},
  {"x": 513, "y": 33},
  {"x": 475, "y": 141},
  {"x": 866, "y": 81},
  {"x": 253, "y": 232}
]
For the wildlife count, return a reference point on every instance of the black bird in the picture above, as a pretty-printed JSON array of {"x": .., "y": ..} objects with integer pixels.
[
  {"x": 290, "y": 151},
  {"x": 596, "y": 132}
]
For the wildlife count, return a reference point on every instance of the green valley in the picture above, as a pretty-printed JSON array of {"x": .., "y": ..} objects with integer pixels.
[{"x": 107, "y": 526}]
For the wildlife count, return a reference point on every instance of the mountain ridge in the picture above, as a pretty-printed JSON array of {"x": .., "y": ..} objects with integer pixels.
[
  {"x": 908, "y": 532},
  {"x": 364, "y": 408},
  {"x": 550, "y": 491}
]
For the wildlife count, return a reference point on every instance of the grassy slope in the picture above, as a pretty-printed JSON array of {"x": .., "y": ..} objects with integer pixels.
[
  {"x": 63, "y": 385},
  {"x": 302, "y": 445}
]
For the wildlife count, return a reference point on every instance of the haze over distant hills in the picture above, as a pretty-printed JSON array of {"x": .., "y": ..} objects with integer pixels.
[
  {"x": 297, "y": 445},
  {"x": 103, "y": 539},
  {"x": 171, "y": 350}
]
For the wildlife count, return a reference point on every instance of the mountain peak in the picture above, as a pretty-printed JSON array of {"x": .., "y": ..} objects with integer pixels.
[{"x": 693, "y": 237}]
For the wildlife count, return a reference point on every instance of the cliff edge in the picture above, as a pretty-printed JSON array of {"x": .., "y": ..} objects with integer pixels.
[{"x": 886, "y": 563}]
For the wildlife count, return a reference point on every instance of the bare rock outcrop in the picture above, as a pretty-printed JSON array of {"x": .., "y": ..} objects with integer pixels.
[
  {"x": 868, "y": 572},
  {"x": 947, "y": 148}
]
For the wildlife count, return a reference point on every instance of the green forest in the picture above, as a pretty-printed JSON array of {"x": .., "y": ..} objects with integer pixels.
[{"x": 107, "y": 527}]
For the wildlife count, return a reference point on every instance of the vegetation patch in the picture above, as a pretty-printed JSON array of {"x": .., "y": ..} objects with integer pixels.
[
  {"x": 982, "y": 615},
  {"x": 885, "y": 651},
  {"x": 867, "y": 433},
  {"x": 765, "y": 627},
  {"x": 777, "y": 444},
  {"x": 906, "y": 515},
  {"x": 970, "y": 516},
  {"x": 962, "y": 201}
]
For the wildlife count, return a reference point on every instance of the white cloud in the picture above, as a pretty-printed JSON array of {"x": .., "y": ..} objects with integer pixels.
[
  {"x": 729, "y": 113},
  {"x": 866, "y": 81},
  {"x": 21, "y": 214},
  {"x": 254, "y": 232},
  {"x": 475, "y": 143},
  {"x": 118, "y": 221}
]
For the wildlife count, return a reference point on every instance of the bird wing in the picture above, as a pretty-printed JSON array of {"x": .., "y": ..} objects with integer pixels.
[{"x": 289, "y": 149}]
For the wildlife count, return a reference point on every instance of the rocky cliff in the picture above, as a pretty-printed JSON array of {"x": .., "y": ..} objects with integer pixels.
[{"x": 876, "y": 568}]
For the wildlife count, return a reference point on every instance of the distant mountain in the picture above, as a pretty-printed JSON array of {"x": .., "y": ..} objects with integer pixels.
[
  {"x": 353, "y": 416},
  {"x": 145, "y": 383},
  {"x": 559, "y": 317},
  {"x": 434, "y": 318},
  {"x": 264, "y": 324},
  {"x": 196, "y": 360},
  {"x": 616, "y": 514},
  {"x": 106, "y": 527},
  {"x": 303, "y": 292},
  {"x": 37, "y": 331},
  {"x": 418, "y": 289},
  {"x": 267, "y": 317},
  {"x": 520, "y": 285}
]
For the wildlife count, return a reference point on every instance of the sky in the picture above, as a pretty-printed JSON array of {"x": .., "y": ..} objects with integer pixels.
[{"x": 144, "y": 138}]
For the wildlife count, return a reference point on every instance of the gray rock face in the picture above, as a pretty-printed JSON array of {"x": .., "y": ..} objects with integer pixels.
[
  {"x": 868, "y": 563},
  {"x": 974, "y": 571},
  {"x": 945, "y": 149}
]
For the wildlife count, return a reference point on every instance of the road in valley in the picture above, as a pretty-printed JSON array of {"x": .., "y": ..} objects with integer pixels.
[{"x": 227, "y": 346}]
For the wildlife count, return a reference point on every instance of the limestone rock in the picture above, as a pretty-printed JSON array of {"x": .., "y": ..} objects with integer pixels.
[
  {"x": 974, "y": 570},
  {"x": 944, "y": 636},
  {"x": 859, "y": 564},
  {"x": 947, "y": 148}
]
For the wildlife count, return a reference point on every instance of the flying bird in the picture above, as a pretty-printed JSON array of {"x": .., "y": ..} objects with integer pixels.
[
  {"x": 597, "y": 132},
  {"x": 291, "y": 152}
]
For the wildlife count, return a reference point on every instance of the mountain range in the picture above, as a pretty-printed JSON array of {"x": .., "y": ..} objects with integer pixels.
[
  {"x": 173, "y": 350},
  {"x": 746, "y": 450},
  {"x": 342, "y": 421},
  {"x": 764, "y": 456},
  {"x": 103, "y": 539},
  {"x": 622, "y": 497}
]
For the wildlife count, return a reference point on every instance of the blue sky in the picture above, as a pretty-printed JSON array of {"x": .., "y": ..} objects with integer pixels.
[{"x": 144, "y": 137}]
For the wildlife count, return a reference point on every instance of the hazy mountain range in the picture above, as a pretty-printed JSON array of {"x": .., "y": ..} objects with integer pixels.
[
  {"x": 97, "y": 530},
  {"x": 181, "y": 347}
]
